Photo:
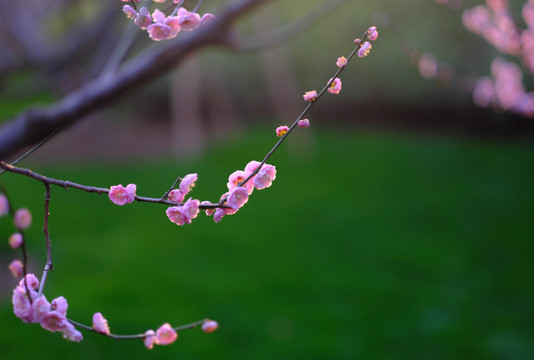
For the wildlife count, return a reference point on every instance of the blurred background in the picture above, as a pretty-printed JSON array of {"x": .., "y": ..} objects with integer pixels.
[{"x": 399, "y": 225}]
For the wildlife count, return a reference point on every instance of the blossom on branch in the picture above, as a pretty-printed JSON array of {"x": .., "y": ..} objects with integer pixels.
[
  {"x": 335, "y": 86},
  {"x": 16, "y": 268},
  {"x": 209, "y": 326},
  {"x": 303, "y": 123},
  {"x": 342, "y": 61},
  {"x": 365, "y": 49},
  {"x": 310, "y": 95},
  {"x": 165, "y": 335},
  {"x": 372, "y": 34},
  {"x": 281, "y": 130},
  {"x": 120, "y": 195},
  {"x": 15, "y": 240},
  {"x": 100, "y": 324}
]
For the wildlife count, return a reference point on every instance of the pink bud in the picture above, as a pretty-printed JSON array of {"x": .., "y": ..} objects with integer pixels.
[
  {"x": 372, "y": 34},
  {"x": 209, "y": 326},
  {"x": 165, "y": 335},
  {"x": 22, "y": 219},
  {"x": 15, "y": 240},
  {"x": 100, "y": 324},
  {"x": 16, "y": 268},
  {"x": 4, "y": 205},
  {"x": 304, "y": 123},
  {"x": 206, "y": 19}
]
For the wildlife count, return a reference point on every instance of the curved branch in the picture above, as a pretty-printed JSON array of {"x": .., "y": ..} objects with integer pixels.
[{"x": 32, "y": 125}]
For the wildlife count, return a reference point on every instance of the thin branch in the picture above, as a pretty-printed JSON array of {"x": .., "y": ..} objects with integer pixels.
[
  {"x": 91, "y": 189},
  {"x": 135, "y": 336},
  {"x": 306, "y": 110},
  {"x": 48, "y": 266},
  {"x": 172, "y": 188}
]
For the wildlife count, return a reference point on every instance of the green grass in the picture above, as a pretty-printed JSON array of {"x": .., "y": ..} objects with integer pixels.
[{"x": 367, "y": 246}]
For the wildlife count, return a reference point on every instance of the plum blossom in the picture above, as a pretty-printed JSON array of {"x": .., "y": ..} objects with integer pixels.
[
  {"x": 187, "y": 183},
  {"x": 372, "y": 34},
  {"x": 4, "y": 205},
  {"x": 176, "y": 196},
  {"x": 60, "y": 305},
  {"x": 15, "y": 240},
  {"x": 16, "y": 268},
  {"x": 120, "y": 195},
  {"x": 188, "y": 20},
  {"x": 183, "y": 214},
  {"x": 165, "y": 335},
  {"x": 206, "y": 18},
  {"x": 100, "y": 324},
  {"x": 237, "y": 197},
  {"x": 150, "y": 338},
  {"x": 22, "y": 219},
  {"x": 237, "y": 177},
  {"x": 335, "y": 86},
  {"x": 364, "y": 49},
  {"x": 40, "y": 309},
  {"x": 209, "y": 212},
  {"x": 341, "y": 61},
  {"x": 310, "y": 95},
  {"x": 130, "y": 12},
  {"x": 281, "y": 130},
  {"x": 303, "y": 123},
  {"x": 209, "y": 326},
  {"x": 143, "y": 18},
  {"x": 265, "y": 177}
]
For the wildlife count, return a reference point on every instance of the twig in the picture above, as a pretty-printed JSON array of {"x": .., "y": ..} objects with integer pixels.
[
  {"x": 135, "y": 336},
  {"x": 172, "y": 188},
  {"x": 48, "y": 266},
  {"x": 91, "y": 189}
]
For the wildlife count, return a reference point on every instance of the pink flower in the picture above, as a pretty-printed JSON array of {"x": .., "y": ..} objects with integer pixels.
[
  {"x": 218, "y": 214},
  {"x": 209, "y": 326},
  {"x": 40, "y": 308},
  {"x": 341, "y": 61},
  {"x": 303, "y": 123},
  {"x": 15, "y": 240},
  {"x": 188, "y": 182},
  {"x": 54, "y": 321},
  {"x": 158, "y": 31},
  {"x": 364, "y": 49},
  {"x": 190, "y": 209},
  {"x": 335, "y": 86},
  {"x": 310, "y": 95},
  {"x": 130, "y": 12},
  {"x": 165, "y": 335},
  {"x": 143, "y": 19},
  {"x": 70, "y": 333},
  {"x": 176, "y": 196},
  {"x": 252, "y": 166},
  {"x": 30, "y": 280},
  {"x": 20, "y": 299},
  {"x": 100, "y": 324},
  {"x": 188, "y": 20},
  {"x": 174, "y": 23},
  {"x": 120, "y": 195},
  {"x": 60, "y": 305},
  {"x": 4, "y": 205},
  {"x": 372, "y": 34},
  {"x": 158, "y": 16},
  {"x": 237, "y": 197},
  {"x": 265, "y": 176},
  {"x": 22, "y": 219},
  {"x": 183, "y": 214},
  {"x": 238, "y": 177},
  {"x": 206, "y": 19},
  {"x": 149, "y": 339},
  {"x": 281, "y": 130},
  {"x": 16, "y": 268}
]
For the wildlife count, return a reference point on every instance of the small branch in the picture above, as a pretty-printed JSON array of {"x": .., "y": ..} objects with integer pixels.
[
  {"x": 306, "y": 110},
  {"x": 48, "y": 266},
  {"x": 134, "y": 336},
  {"x": 172, "y": 188},
  {"x": 91, "y": 189}
]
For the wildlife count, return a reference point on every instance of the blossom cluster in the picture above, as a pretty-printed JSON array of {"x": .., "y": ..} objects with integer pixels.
[
  {"x": 160, "y": 26},
  {"x": 22, "y": 219},
  {"x": 31, "y": 307},
  {"x": 504, "y": 89}
]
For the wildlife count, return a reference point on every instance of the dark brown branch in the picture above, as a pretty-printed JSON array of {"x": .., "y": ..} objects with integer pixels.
[
  {"x": 48, "y": 267},
  {"x": 31, "y": 126}
]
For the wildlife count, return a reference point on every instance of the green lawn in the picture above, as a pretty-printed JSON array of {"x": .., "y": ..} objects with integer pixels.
[{"x": 367, "y": 246}]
